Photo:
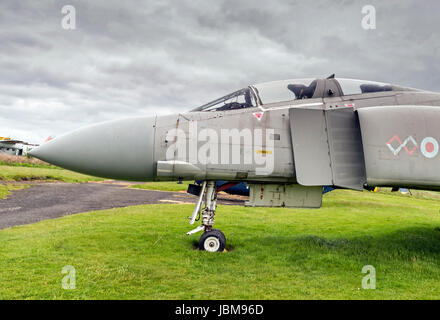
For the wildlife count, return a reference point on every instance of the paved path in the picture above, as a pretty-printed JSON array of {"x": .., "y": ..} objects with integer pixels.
[{"x": 52, "y": 200}]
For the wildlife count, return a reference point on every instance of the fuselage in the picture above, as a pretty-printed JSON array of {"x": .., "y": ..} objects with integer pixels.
[{"x": 249, "y": 141}]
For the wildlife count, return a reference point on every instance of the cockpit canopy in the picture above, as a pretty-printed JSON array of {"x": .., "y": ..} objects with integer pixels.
[
  {"x": 286, "y": 90},
  {"x": 295, "y": 89},
  {"x": 243, "y": 98}
]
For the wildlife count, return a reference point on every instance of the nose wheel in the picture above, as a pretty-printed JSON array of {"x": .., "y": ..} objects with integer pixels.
[{"x": 212, "y": 240}]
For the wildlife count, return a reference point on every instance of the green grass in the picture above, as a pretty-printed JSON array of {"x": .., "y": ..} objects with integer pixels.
[
  {"x": 5, "y": 189},
  {"x": 142, "y": 252},
  {"x": 163, "y": 186},
  {"x": 16, "y": 173},
  {"x": 29, "y": 165}
]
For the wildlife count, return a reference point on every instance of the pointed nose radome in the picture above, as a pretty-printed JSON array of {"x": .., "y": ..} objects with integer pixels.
[{"x": 121, "y": 149}]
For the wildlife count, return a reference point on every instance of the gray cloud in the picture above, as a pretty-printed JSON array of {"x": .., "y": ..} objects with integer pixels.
[{"x": 128, "y": 58}]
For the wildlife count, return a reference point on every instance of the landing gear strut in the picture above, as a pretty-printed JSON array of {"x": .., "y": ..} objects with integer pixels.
[{"x": 212, "y": 240}]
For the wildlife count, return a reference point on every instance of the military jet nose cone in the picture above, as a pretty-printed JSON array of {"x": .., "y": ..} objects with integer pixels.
[
  {"x": 42, "y": 152},
  {"x": 121, "y": 149}
]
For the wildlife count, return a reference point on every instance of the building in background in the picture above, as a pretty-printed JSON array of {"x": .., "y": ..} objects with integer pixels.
[{"x": 15, "y": 147}]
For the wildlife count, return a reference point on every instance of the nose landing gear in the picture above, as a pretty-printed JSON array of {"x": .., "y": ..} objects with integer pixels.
[{"x": 212, "y": 240}]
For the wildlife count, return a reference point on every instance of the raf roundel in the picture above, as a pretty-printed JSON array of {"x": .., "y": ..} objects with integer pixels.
[{"x": 429, "y": 147}]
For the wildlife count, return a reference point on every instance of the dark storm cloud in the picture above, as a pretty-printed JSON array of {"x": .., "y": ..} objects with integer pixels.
[{"x": 128, "y": 58}]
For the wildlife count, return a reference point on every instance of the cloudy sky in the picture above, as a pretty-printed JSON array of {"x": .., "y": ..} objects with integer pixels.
[{"x": 129, "y": 58}]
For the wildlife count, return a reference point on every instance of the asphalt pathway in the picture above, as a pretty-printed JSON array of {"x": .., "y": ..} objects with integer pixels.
[{"x": 52, "y": 200}]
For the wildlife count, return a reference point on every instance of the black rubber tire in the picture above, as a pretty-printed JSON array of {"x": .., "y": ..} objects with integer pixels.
[
  {"x": 217, "y": 234},
  {"x": 221, "y": 234}
]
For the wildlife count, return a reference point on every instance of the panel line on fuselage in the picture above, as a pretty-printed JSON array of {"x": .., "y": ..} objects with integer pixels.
[{"x": 314, "y": 104}]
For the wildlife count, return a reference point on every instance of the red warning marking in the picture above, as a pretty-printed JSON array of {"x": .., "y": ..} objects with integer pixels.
[{"x": 258, "y": 115}]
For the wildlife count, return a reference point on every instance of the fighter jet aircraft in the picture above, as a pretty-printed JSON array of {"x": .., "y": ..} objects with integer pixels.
[{"x": 285, "y": 139}]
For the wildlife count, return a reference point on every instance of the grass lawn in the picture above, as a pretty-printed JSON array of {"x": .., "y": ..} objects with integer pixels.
[
  {"x": 18, "y": 173},
  {"x": 163, "y": 186},
  {"x": 5, "y": 189},
  {"x": 143, "y": 253}
]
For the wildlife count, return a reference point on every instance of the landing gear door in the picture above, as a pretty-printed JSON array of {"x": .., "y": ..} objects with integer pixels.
[{"x": 327, "y": 148}]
